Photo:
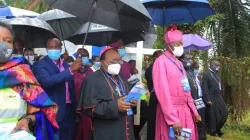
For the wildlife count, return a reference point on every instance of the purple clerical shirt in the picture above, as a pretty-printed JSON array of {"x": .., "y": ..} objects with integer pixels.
[{"x": 61, "y": 68}]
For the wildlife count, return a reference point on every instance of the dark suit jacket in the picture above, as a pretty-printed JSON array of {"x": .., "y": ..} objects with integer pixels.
[{"x": 53, "y": 82}]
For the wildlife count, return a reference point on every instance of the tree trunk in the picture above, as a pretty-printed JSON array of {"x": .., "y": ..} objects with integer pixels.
[{"x": 32, "y": 4}]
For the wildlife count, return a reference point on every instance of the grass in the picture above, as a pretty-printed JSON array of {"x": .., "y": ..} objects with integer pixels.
[{"x": 240, "y": 131}]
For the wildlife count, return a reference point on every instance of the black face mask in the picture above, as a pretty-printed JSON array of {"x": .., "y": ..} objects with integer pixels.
[{"x": 5, "y": 52}]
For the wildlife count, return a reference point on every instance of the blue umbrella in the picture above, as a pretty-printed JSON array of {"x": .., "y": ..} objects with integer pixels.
[
  {"x": 166, "y": 12},
  {"x": 12, "y": 12}
]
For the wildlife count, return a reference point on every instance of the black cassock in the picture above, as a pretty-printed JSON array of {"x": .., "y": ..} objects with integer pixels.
[
  {"x": 152, "y": 105},
  {"x": 216, "y": 114},
  {"x": 99, "y": 101},
  {"x": 195, "y": 95}
]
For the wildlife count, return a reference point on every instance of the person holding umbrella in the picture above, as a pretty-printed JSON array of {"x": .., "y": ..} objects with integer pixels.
[
  {"x": 56, "y": 78},
  {"x": 23, "y": 102},
  {"x": 175, "y": 104},
  {"x": 83, "y": 126}
]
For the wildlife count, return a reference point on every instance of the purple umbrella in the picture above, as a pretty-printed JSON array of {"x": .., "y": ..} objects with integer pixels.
[{"x": 193, "y": 42}]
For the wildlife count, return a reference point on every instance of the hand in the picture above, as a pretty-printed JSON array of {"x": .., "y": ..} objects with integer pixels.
[
  {"x": 123, "y": 106},
  {"x": 177, "y": 129},
  {"x": 198, "y": 118},
  {"x": 133, "y": 103},
  {"x": 209, "y": 103},
  {"x": 23, "y": 124},
  {"x": 77, "y": 64}
]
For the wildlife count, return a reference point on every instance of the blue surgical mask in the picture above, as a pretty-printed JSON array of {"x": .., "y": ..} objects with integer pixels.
[
  {"x": 85, "y": 61},
  {"x": 196, "y": 72},
  {"x": 122, "y": 52},
  {"x": 54, "y": 54},
  {"x": 98, "y": 64}
]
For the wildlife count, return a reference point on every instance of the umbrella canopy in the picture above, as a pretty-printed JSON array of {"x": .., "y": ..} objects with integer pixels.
[
  {"x": 11, "y": 12},
  {"x": 166, "y": 12},
  {"x": 196, "y": 42},
  {"x": 64, "y": 24},
  {"x": 123, "y": 15},
  {"x": 101, "y": 35},
  {"x": 33, "y": 32}
]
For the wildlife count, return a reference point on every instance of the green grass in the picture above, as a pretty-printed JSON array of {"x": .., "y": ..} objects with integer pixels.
[{"x": 240, "y": 131}]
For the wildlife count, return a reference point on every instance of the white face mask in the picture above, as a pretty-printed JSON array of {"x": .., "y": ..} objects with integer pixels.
[
  {"x": 30, "y": 57},
  {"x": 178, "y": 51},
  {"x": 114, "y": 69}
]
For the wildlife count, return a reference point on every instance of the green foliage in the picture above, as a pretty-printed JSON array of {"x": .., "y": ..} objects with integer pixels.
[
  {"x": 236, "y": 77},
  {"x": 23, "y": 3},
  {"x": 235, "y": 131}
]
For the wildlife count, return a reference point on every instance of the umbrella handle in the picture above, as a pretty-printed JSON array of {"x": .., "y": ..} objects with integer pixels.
[{"x": 89, "y": 16}]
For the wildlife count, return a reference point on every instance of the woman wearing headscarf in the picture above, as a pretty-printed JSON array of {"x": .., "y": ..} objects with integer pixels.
[
  {"x": 83, "y": 125},
  {"x": 175, "y": 104},
  {"x": 22, "y": 100}
]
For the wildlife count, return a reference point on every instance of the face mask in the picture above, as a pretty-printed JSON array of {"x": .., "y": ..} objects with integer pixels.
[
  {"x": 85, "y": 61},
  {"x": 122, "y": 52},
  {"x": 215, "y": 68},
  {"x": 54, "y": 54},
  {"x": 98, "y": 64},
  {"x": 114, "y": 69},
  {"x": 196, "y": 72},
  {"x": 178, "y": 51},
  {"x": 187, "y": 63},
  {"x": 30, "y": 57},
  {"x": 5, "y": 52}
]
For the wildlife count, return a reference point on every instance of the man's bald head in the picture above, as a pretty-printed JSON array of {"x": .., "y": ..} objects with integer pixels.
[{"x": 53, "y": 43}]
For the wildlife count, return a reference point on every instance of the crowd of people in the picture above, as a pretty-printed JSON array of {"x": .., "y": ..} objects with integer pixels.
[{"x": 59, "y": 97}]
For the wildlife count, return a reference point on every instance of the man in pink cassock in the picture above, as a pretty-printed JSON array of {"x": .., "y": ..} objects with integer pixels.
[{"x": 176, "y": 107}]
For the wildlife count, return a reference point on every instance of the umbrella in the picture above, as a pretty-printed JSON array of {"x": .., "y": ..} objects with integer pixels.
[
  {"x": 63, "y": 23},
  {"x": 165, "y": 12},
  {"x": 33, "y": 32},
  {"x": 122, "y": 15},
  {"x": 11, "y": 12},
  {"x": 196, "y": 42},
  {"x": 101, "y": 35}
]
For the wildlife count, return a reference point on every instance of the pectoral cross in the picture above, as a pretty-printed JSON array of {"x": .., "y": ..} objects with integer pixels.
[{"x": 118, "y": 91}]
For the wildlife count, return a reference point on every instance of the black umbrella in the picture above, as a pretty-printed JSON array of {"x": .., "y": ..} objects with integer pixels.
[
  {"x": 64, "y": 24},
  {"x": 33, "y": 32},
  {"x": 123, "y": 15},
  {"x": 101, "y": 35}
]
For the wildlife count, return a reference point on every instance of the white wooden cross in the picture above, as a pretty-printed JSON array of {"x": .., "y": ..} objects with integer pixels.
[{"x": 140, "y": 52}]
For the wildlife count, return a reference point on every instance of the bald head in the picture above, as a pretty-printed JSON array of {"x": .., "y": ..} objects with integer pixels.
[{"x": 54, "y": 44}]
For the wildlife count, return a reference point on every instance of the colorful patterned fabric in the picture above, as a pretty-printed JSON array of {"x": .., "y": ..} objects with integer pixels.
[{"x": 18, "y": 76}]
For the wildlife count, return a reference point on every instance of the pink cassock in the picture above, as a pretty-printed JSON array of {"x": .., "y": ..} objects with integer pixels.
[{"x": 175, "y": 105}]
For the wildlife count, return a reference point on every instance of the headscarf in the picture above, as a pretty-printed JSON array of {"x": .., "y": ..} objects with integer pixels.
[{"x": 18, "y": 76}]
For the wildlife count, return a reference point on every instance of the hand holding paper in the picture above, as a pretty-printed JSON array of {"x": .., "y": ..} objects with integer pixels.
[{"x": 135, "y": 94}]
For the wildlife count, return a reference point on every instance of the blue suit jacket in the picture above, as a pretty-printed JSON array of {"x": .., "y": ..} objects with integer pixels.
[{"x": 53, "y": 82}]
